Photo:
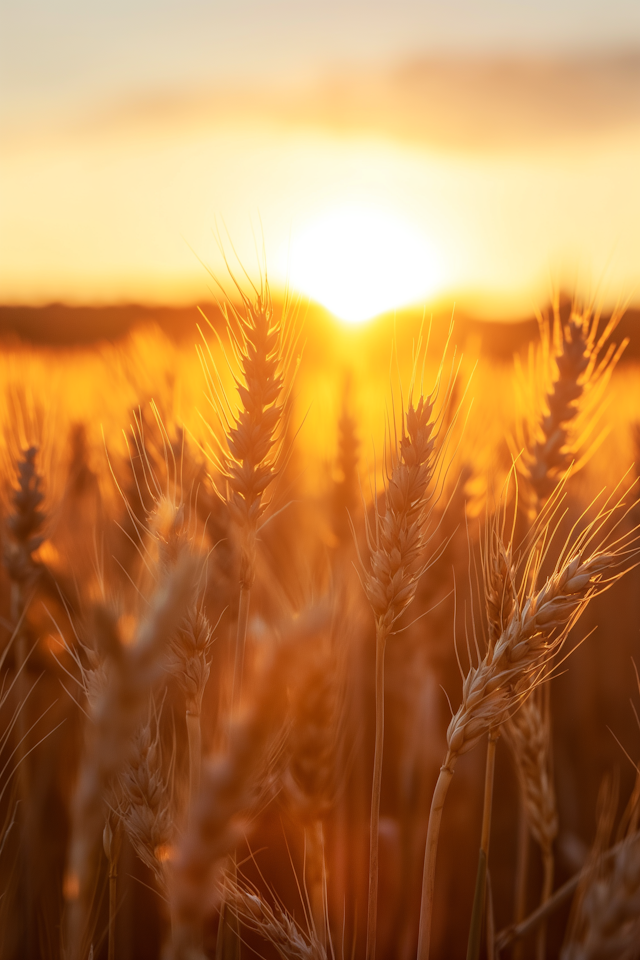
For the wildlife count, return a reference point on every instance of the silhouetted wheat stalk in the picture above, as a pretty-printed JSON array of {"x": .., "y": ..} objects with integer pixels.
[{"x": 572, "y": 369}]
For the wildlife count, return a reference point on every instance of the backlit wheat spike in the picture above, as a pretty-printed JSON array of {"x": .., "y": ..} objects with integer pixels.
[
  {"x": 251, "y": 466},
  {"x": 262, "y": 345},
  {"x": 584, "y": 361},
  {"x": 397, "y": 543},
  {"x": 251, "y": 454}
]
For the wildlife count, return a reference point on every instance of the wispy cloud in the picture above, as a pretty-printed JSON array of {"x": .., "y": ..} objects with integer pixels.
[{"x": 452, "y": 103}]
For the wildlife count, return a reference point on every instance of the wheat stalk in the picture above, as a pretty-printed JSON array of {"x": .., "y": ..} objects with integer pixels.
[
  {"x": 111, "y": 842},
  {"x": 515, "y": 663},
  {"x": 250, "y": 457},
  {"x": 396, "y": 547},
  {"x": 575, "y": 362}
]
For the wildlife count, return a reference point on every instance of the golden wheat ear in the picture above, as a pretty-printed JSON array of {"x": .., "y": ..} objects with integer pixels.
[
  {"x": 567, "y": 381},
  {"x": 250, "y": 453}
]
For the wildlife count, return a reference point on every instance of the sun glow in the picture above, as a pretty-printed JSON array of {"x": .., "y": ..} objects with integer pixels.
[{"x": 360, "y": 262}]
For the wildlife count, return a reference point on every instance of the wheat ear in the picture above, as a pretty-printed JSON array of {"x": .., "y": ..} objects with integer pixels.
[
  {"x": 572, "y": 370},
  {"x": 262, "y": 346},
  {"x": 275, "y": 926},
  {"x": 190, "y": 661},
  {"x": 145, "y": 798}
]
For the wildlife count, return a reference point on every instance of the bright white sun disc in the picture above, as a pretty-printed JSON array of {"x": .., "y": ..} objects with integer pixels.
[{"x": 359, "y": 263}]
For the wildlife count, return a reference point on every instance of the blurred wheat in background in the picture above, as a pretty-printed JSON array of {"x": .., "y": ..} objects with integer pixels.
[{"x": 219, "y": 642}]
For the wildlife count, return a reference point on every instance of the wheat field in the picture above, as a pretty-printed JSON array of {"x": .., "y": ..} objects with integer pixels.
[{"x": 321, "y": 643}]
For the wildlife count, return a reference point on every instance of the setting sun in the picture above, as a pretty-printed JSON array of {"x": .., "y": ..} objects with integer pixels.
[{"x": 360, "y": 262}]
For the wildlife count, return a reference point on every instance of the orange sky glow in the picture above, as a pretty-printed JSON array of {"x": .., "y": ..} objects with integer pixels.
[{"x": 490, "y": 181}]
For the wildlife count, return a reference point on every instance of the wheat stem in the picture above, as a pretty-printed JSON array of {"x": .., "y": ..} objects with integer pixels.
[
  {"x": 228, "y": 942},
  {"x": 113, "y": 905},
  {"x": 522, "y": 868},
  {"x": 194, "y": 738},
  {"x": 241, "y": 641},
  {"x": 475, "y": 932},
  {"x": 111, "y": 840},
  {"x": 547, "y": 890},
  {"x": 314, "y": 841},
  {"x": 372, "y": 908},
  {"x": 429, "y": 873}
]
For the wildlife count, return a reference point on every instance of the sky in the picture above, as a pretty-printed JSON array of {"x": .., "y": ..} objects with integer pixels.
[{"x": 494, "y": 144}]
